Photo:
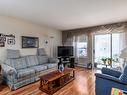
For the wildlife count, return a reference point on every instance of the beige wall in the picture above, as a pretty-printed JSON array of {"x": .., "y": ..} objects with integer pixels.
[{"x": 9, "y": 25}]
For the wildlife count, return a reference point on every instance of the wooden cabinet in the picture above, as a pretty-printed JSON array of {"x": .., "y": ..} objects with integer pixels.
[{"x": 52, "y": 82}]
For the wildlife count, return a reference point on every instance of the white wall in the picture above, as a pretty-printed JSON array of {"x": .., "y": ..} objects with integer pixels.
[{"x": 9, "y": 25}]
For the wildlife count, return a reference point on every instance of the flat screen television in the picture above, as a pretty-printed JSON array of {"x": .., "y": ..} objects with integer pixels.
[{"x": 65, "y": 51}]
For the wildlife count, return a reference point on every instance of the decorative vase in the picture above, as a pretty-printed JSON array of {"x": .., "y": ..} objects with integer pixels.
[{"x": 61, "y": 67}]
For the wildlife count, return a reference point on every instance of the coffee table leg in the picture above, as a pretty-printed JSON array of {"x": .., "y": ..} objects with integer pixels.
[
  {"x": 73, "y": 74},
  {"x": 40, "y": 83},
  {"x": 50, "y": 88}
]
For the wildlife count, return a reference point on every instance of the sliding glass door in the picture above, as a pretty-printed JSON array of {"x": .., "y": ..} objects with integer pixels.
[
  {"x": 108, "y": 46},
  {"x": 102, "y": 47}
]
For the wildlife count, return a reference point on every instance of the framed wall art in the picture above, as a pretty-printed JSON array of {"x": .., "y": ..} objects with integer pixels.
[
  {"x": 11, "y": 41},
  {"x": 2, "y": 37},
  {"x": 30, "y": 42}
]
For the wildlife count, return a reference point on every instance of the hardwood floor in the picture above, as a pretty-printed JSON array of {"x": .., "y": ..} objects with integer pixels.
[{"x": 84, "y": 84}]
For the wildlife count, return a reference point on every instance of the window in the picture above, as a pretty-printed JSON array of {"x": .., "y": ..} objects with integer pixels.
[
  {"x": 108, "y": 46},
  {"x": 82, "y": 46}
]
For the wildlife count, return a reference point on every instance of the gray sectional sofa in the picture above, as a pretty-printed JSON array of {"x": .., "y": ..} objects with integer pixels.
[{"x": 18, "y": 71}]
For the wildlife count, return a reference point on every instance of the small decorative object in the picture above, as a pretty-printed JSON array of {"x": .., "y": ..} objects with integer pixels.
[
  {"x": 11, "y": 41},
  {"x": 89, "y": 65},
  {"x": 2, "y": 37},
  {"x": 46, "y": 42},
  {"x": 30, "y": 42},
  {"x": 61, "y": 67},
  {"x": 104, "y": 60},
  {"x": 2, "y": 44}
]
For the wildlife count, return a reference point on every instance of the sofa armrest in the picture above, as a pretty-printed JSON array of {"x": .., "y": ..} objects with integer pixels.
[
  {"x": 110, "y": 78},
  {"x": 8, "y": 69},
  {"x": 111, "y": 72},
  {"x": 53, "y": 60}
]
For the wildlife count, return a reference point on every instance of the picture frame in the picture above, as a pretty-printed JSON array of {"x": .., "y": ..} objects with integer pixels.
[
  {"x": 30, "y": 42},
  {"x": 11, "y": 41},
  {"x": 2, "y": 37},
  {"x": 2, "y": 44}
]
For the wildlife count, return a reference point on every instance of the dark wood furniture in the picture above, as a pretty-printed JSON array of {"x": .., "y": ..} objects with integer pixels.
[
  {"x": 67, "y": 61},
  {"x": 52, "y": 82}
]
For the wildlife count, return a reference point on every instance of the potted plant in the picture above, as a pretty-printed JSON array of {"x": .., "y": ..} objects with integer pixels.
[
  {"x": 109, "y": 61},
  {"x": 104, "y": 60}
]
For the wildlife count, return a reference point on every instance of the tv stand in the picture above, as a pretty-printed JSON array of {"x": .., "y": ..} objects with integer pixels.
[{"x": 67, "y": 60}]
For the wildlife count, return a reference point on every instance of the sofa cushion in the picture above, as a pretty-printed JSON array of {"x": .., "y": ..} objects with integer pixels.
[
  {"x": 53, "y": 60},
  {"x": 41, "y": 52},
  {"x": 25, "y": 72},
  {"x": 39, "y": 68},
  {"x": 17, "y": 63},
  {"x": 32, "y": 60},
  {"x": 42, "y": 59},
  {"x": 51, "y": 65},
  {"x": 13, "y": 53}
]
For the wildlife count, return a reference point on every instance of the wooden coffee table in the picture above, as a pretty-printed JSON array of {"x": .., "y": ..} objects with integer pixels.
[{"x": 52, "y": 82}]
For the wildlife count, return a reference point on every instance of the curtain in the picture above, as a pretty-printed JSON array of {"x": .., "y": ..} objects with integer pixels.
[
  {"x": 67, "y": 35},
  {"x": 70, "y": 36},
  {"x": 80, "y": 44}
]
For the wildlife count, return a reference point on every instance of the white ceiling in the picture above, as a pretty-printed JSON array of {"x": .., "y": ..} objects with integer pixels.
[{"x": 66, "y": 14}]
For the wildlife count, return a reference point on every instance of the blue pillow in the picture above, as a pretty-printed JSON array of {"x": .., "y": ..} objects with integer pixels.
[{"x": 123, "y": 77}]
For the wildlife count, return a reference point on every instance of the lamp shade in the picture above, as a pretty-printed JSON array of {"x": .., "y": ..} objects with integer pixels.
[{"x": 123, "y": 53}]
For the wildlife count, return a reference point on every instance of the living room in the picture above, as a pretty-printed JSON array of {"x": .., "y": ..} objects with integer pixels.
[{"x": 63, "y": 47}]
